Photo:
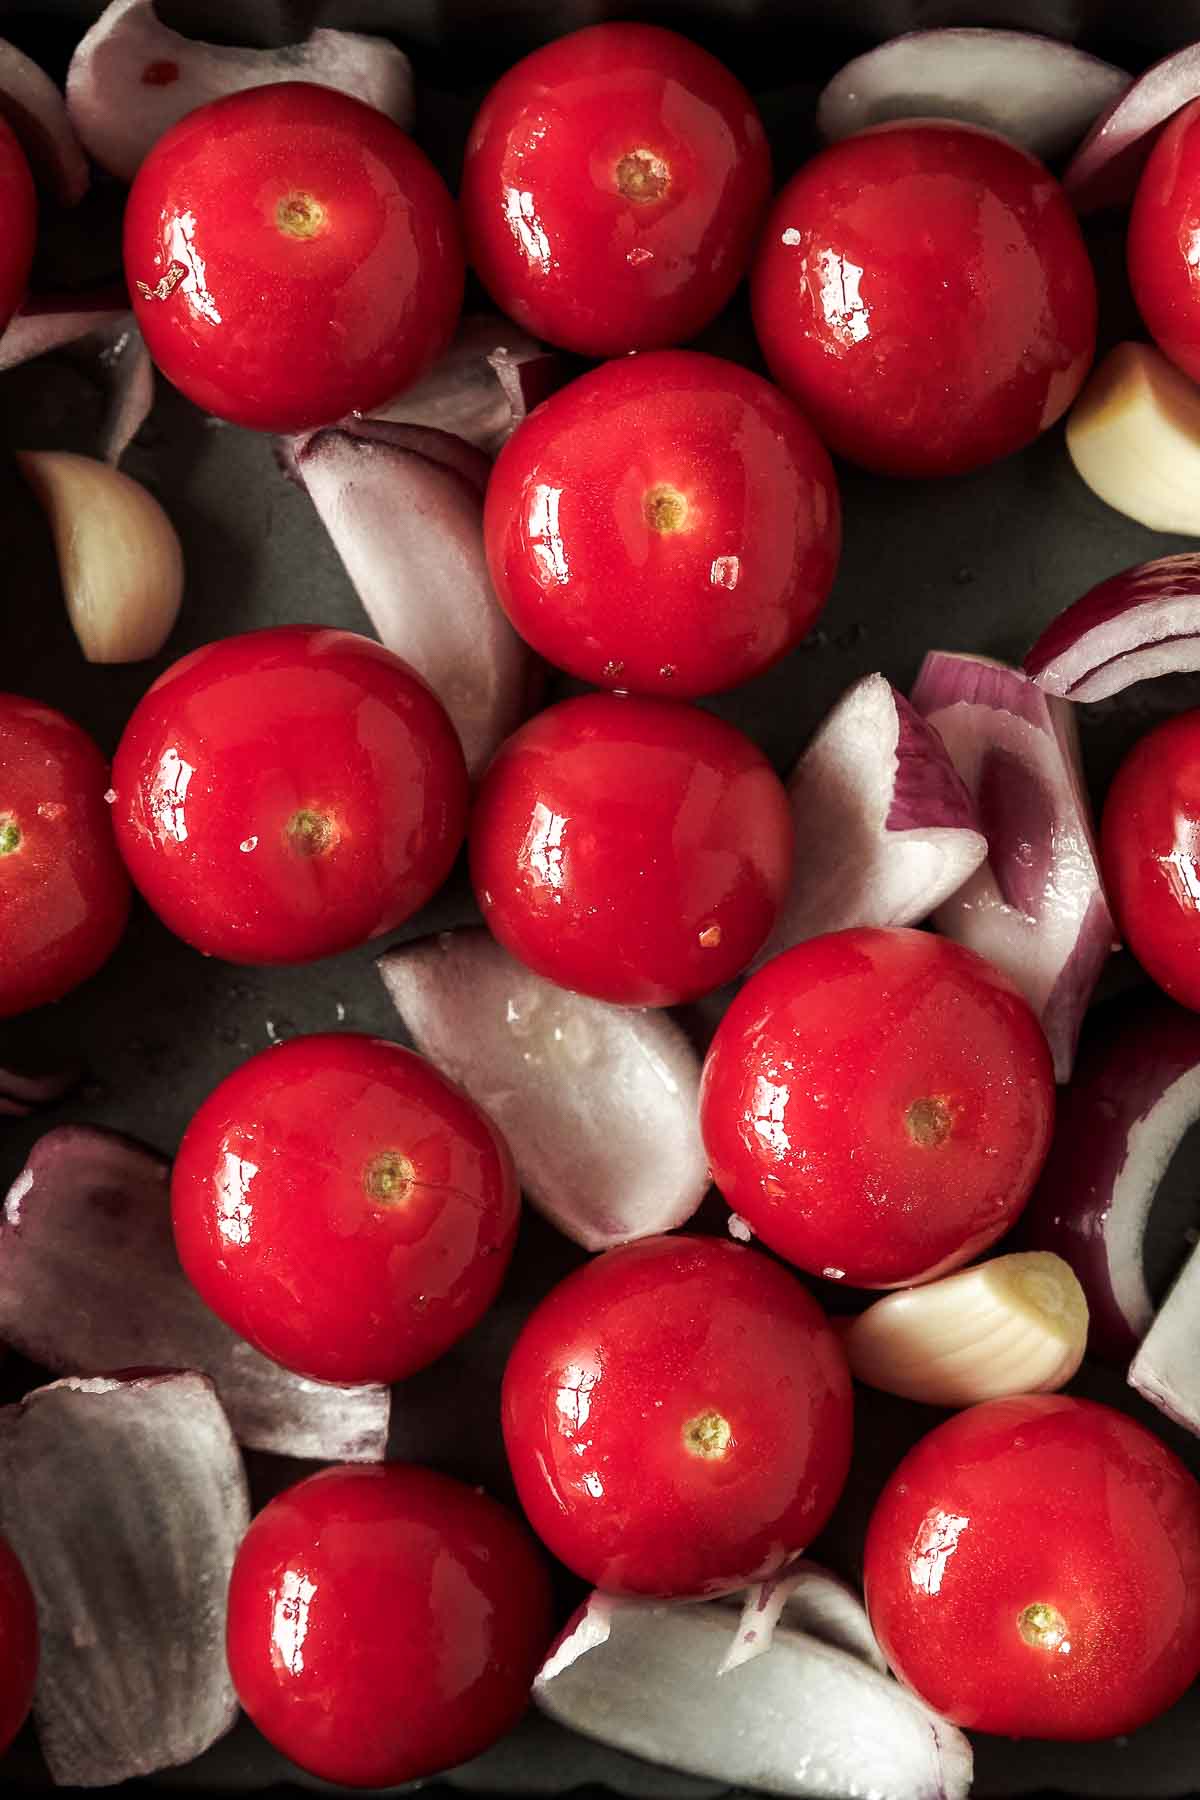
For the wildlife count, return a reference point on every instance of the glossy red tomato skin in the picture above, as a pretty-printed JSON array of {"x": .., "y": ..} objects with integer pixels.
[
  {"x": 1150, "y": 852},
  {"x": 1039, "y": 1501},
  {"x": 18, "y": 209},
  {"x": 924, "y": 293},
  {"x": 18, "y": 1646},
  {"x": 808, "y": 1096},
  {"x": 64, "y": 893},
  {"x": 385, "y": 1622},
  {"x": 554, "y": 239},
  {"x": 694, "y": 533},
  {"x": 1163, "y": 226},
  {"x": 633, "y": 849},
  {"x": 620, "y": 1360},
  {"x": 344, "y": 1207},
  {"x": 285, "y": 325},
  {"x": 238, "y": 743}
]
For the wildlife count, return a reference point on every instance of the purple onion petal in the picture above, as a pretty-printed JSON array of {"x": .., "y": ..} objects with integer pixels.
[
  {"x": 1166, "y": 1369},
  {"x": 47, "y": 323},
  {"x": 885, "y": 829},
  {"x": 1036, "y": 907},
  {"x": 810, "y": 1599},
  {"x": 808, "y": 1719},
  {"x": 1135, "y": 1093},
  {"x": 404, "y": 508},
  {"x": 131, "y": 393},
  {"x": 35, "y": 109},
  {"x": 125, "y": 1499},
  {"x": 1035, "y": 91},
  {"x": 1138, "y": 624},
  {"x": 86, "y": 1225},
  {"x": 1104, "y": 170},
  {"x": 131, "y": 78},
  {"x": 599, "y": 1103},
  {"x": 22, "y": 1094},
  {"x": 491, "y": 377}
]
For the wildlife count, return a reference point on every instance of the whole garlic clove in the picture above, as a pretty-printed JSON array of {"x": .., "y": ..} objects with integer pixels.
[
  {"x": 1015, "y": 1325},
  {"x": 119, "y": 558},
  {"x": 1134, "y": 437}
]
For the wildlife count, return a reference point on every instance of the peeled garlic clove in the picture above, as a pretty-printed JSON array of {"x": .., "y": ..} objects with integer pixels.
[
  {"x": 1134, "y": 436},
  {"x": 1015, "y": 1325},
  {"x": 118, "y": 555}
]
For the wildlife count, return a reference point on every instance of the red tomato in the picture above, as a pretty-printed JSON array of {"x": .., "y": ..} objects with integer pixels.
[
  {"x": 344, "y": 1207},
  {"x": 613, "y": 187},
  {"x": 924, "y": 293},
  {"x": 18, "y": 210},
  {"x": 635, "y": 850},
  {"x": 877, "y": 1105},
  {"x": 678, "y": 1418},
  {"x": 64, "y": 893},
  {"x": 668, "y": 523},
  {"x": 292, "y": 256},
  {"x": 1033, "y": 1569},
  {"x": 1164, "y": 228},
  {"x": 287, "y": 794},
  {"x": 1150, "y": 850},
  {"x": 385, "y": 1623},
  {"x": 18, "y": 1646}
]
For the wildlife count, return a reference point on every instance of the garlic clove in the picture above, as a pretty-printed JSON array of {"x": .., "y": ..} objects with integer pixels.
[
  {"x": 119, "y": 558},
  {"x": 1134, "y": 437},
  {"x": 1014, "y": 1325}
]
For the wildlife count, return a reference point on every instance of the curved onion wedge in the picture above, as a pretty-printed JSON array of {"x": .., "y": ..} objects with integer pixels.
[
  {"x": 885, "y": 829},
  {"x": 600, "y": 1104},
  {"x": 47, "y": 322},
  {"x": 1036, "y": 91},
  {"x": 808, "y": 1599},
  {"x": 130, "y": 374},
  {"x": 1104, "y": 170},
  {"x": 37, "y": 113},
  {"x": 491, "y": 377},
  {"x": 125, "y": 1499},
  {"x": 1136, "y": 1092},
  {"x": 22, "y": 1094},
  {"x": 131, "y": 78},
  {"x": 85, "y": 1227},
  {"x": 1138, "y": 624},
  {"x": 808, "y": 1719},
  {"x": 119, "y": 558},
  {"x": 1166, "y": 1369},
  {"x": 1015, "y": 1325},
  {"x": 1134, "y": 437},
  {"x": 404, "y": 507},
  {"x": 1036, "y": 907}
]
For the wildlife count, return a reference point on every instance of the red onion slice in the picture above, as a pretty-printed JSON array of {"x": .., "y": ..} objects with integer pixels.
[
  {"x": 491, "y": 377},
  {"x": 1036, "y": 907},
  {"x": 125, "y": 1499},
  {"x": 1033, "y": 90},
  {"x": 1138, "y": 624},
  {"x": 599, "y": 1103},
  {"x": 130, "y": 376},
  {"x": 37, "y": 113},
  {"x": 885, "y": 829},
  {"x": 22, "y": 1094},
  {"x": 49, "y": 322},
  {"x": 1166, "y": 1369},
  {"x": 1104, "y": 170},
  {"x": 404, "y": 507},
  {"x": 86, "y": 1225},
  {"x": 809, "y": 1599},
  {"x": 808, "y": 1719},
  {"x": 131, "y": 78},
  {"x": 1135, "y": 1093}
]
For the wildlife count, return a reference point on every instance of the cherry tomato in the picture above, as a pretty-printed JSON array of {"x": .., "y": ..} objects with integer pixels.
[
  {"x": 1033, "y": 1569},
  {"x": 344, "y": 1207},
  {"x": 634, "y": 850},
  {"x": 1164, "y": 226},
  {"x": 287, "y": 794},
  {"x": 613, "y": 187},
  {"x": 64, "y": 893},
  {"x": 877, "y": 1105},
  {"x": 668, "y": 524},
  {"x": 678, "y": 1418},
  {"x": 1150, "y": 850},
  {"x": 18, "y": 1646},
  {"x": 385, "y": 1623},
  {"x": 924, "y": 293},
  {"x": 18, "y": 211},
  {"x": 291, "y": 256}
]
